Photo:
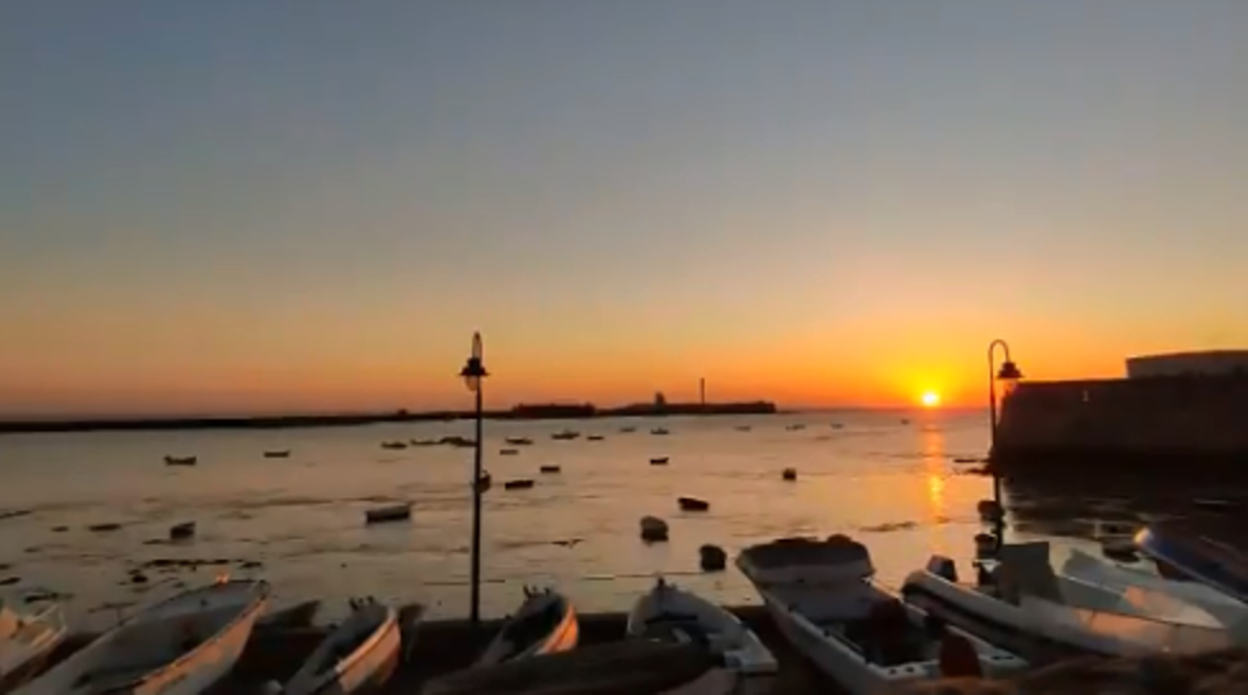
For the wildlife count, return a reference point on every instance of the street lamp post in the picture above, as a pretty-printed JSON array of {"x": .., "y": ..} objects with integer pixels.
[
  {"x": 1009, "y": 375},
  {"x": 473, "y": 374}
]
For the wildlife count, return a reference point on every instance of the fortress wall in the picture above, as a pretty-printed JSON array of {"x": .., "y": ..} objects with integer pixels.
[{"x": 1178, "y": 416}]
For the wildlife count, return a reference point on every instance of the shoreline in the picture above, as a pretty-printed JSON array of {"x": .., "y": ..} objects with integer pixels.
[{"x": 275, "y": 422}]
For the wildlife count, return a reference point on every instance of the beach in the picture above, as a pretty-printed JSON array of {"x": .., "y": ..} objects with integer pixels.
[{"x": 890, "y": 478}]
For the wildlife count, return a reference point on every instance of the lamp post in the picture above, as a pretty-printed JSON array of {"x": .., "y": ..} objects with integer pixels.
[
  {"x": 1009, "y": 375},
  {"x": 473, "y": 374}
]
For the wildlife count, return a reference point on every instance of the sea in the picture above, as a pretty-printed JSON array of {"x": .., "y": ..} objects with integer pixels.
[{"x": 906, "y": 483}]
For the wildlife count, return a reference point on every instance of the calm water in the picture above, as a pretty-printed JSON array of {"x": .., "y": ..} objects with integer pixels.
[{"x": 889, "y": 482}]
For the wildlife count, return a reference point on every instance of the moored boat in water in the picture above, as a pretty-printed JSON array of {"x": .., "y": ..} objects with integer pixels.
[
  {"x": 565, "y": 435},
  {"x": 27, "y": 639},
  {"x": 821, "y": 597},
  {"x": 360, "y": 654},
  {"x": 667, "y": 613},
  {"x": 180, "y": 646}
]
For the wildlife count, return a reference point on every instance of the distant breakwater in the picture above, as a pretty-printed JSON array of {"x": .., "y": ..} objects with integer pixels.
[{"x": 519, "y": 412}]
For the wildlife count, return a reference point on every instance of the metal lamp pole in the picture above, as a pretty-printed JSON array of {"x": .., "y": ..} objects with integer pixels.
[
  {"x": 1008, "y": 372},
  {"x": 473, "y": 374}
]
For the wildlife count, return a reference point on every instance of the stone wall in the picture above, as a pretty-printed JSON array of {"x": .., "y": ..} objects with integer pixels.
[{"x": 1177, "y": 416}]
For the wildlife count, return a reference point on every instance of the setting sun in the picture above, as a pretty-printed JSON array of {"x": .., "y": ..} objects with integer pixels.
[{"x": 930, "y": 399}]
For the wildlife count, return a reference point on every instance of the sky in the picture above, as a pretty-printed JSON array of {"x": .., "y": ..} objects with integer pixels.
[{"x": 235, "y": 206}]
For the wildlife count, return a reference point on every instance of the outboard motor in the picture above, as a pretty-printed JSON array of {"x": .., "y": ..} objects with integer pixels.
[{"x": 944, "y": 567}]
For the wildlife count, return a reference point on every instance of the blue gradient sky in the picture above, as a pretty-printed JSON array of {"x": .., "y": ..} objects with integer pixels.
[{"x": 237, "y": 205}]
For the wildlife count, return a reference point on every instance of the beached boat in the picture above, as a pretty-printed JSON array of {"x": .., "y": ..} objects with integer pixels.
[
  {"x": 1022, "y": 601},
  {"x": 180, "y": 646},
  {"x": 296, "y": 615},
  {"x": 1181, "y": 555},
  {"x": 358, "y": 655},
  {"x": 27, "y": 640},
  {"x": 669, "y": 614},
  {"x": 1139, "y": 588},
  {"x": 565, "y": 435},
  {"x": 627, "y": 667},
  {"x": 821, "y": 597},
  {"x": 544, "y": 624}
]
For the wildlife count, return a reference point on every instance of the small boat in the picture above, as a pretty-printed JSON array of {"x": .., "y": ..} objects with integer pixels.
[
  {"x": 360, "y": 654},
  {"x": 1146, "y": 593},
  {"x": 821, "y": 597},
  {"x": 549, "y": 469},
  {"x": 182, "y": 531},
  {"x": 789, "y": 474},
  {"x": 669, "y": 614},
  {"x": 565, "y": 435},
  {"x": 653, "y": 529},
  {"x": 1180, "y": 555},
  {"x": 1023, "y": 603},
  {"x": 628, "y": 430},
  {"x": 424, "y": 442},
  {"x": 595, "y": 438},
  {"x": 519, "y": 441},
  {"x": 394, "y": 446},
  {"x": 27, "y": 640},
  {"x": 180, "y": 646},
  {"x": 508, "y": 452},
  {"x": 742, "y": 428},
  {"x": 392, "y": 512},
  {"x": 277, "y": 454},
  {"x": 693, "y": 504},
  {"x": 624, "y": 667},
  {"x": 297, "y": 615},
  {"x": 544, "y": 624},
  {"x": 519, "y": 484},
  {"x": 181, "y": 460},
  {"x": 660, "y": 431},
  {"x": 659, "y": 461},
  {"x": 798, "y": 427},
  {"x": 457, "y": 441}
]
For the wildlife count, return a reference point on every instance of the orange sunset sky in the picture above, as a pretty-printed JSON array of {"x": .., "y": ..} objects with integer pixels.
[{"x": 237, "y": 207}]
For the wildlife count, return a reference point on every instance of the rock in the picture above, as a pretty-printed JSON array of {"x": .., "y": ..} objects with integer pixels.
[
  {"x": 653, "y": 529},
  {"x": 789, "y": 474},
  {"x": 693, "y": 504},
  {"x": 712, "y": 558},
  {"x": 182, "y": 531}
]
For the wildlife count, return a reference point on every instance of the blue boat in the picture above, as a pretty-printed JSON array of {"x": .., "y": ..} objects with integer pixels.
[{"x": 1181, "y": 555}]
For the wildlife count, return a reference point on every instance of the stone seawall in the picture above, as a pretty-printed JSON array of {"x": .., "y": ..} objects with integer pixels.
[{"x": 1158, "y": 418}]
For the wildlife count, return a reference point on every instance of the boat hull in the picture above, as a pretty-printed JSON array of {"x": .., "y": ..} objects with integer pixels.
[
  {"x": 158, "y": 629},
  {"x": 21, "y": 659}
]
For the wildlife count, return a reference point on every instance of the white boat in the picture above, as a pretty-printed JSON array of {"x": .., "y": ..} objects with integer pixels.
[
  {"x": 1182, "y": 555},
  {"x": 179, "y": 646},
  {"x": 821, "y": 597},
  {"x": 1026, "y": 602},
  {"x": 359, "y": 654},
  {"x": 668, "y": 613},
  {"x": 1152, "y": 594},
  {"x": 544, "y": 624},
  {"x": 27, "y": 640}
]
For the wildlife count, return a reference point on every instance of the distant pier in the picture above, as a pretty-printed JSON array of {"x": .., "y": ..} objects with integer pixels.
[{"x": 519, "y": 412}]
